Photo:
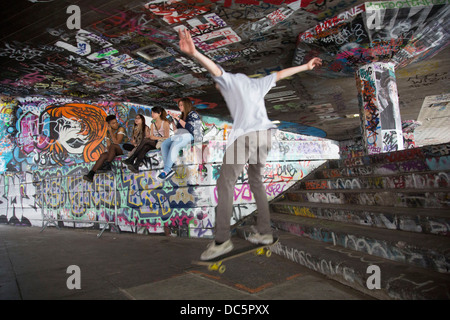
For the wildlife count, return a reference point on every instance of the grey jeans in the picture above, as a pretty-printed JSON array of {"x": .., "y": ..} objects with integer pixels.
[{"x": 252, "y": 148}]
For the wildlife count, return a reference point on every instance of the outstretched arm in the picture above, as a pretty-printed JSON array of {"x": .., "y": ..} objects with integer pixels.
[
  {"x": 314, "y": 62},
  {"x": 187, "y": 46}
]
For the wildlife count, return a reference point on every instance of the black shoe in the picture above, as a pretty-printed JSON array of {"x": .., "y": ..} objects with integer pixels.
[
  {"x": 89, "y": 177},
  {"x": 133, "y": 168},
  {"x": 128, "y": 161}
]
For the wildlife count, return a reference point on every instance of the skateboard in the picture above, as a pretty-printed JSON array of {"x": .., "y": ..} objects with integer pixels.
[{"x": 216, "y": 264}]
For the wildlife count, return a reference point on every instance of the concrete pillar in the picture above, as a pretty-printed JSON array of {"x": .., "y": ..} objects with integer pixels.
[{"x": 379, "y": 108}]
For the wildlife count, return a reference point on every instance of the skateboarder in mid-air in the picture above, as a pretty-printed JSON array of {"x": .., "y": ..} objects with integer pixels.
[{"x": 249, "y": 141}]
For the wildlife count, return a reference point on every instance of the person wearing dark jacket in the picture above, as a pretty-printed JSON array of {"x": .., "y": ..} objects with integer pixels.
[{"x": 188, "y": 129}]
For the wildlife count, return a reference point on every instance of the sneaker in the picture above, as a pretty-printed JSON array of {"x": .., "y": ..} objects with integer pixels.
[
  {"x": 214, "y": 250},
  {"x": 257, "y": 238},
  {"x": 165, "y": 176}
]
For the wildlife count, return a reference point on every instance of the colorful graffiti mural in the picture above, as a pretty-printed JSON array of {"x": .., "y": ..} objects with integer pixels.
[
  {"x": 51, "y": 132},
  {"x": 48, "y": 144}
]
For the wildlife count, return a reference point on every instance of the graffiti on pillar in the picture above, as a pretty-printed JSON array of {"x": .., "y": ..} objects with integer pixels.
[
  {"x": 378, "y": 98},
  {"x": 370, "y": 121}
]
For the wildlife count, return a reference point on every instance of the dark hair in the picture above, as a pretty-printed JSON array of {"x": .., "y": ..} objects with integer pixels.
[
  {"x": 188, "y": 107},
  {"x": 161, "y": 111},
  {"x": 143, "y": 125},
  {"x": 110, "y": 118}
]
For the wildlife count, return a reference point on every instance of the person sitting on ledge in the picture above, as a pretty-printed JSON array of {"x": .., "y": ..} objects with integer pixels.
[
  {"x": 188, "y": 130},
  {"x": 115, "y": 138},
  {"x": 159, "y": 131}
]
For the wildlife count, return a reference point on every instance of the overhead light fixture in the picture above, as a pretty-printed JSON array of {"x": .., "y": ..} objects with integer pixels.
[{"x": 276, "y": 121}]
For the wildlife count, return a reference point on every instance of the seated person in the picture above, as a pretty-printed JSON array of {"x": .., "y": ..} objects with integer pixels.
[
  {"x": 189, "y": 129},
  {"x": 140, "y": 132},
  {"x": 115, "y": 138},
  {"x": 159, "y": 131}
]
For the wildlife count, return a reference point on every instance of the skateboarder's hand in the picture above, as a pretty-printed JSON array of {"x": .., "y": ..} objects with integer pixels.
[
  {"x": 314, "y": 62},
  {"x": 186, "y": 44}
]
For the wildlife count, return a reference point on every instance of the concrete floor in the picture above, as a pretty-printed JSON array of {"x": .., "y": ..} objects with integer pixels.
[{"x": 34, "y": 266}]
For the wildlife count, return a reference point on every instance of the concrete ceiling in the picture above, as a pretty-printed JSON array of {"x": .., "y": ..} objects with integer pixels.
[{"x": 128, "y": 51}]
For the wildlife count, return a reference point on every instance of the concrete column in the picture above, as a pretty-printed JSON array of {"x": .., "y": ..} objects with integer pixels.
[{"x": 379, "y": 108}]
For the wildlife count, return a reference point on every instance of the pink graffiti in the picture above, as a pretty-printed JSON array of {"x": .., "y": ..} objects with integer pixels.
[
  {"x": 175, "y": 11},
  {"x": 241, "y": 191},
  {"x": 29, "y": 137},
  {"x": 228, "y": 3}
]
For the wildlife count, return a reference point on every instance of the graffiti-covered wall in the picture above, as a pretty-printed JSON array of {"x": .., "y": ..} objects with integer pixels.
[{"x": 47, "y": 145}]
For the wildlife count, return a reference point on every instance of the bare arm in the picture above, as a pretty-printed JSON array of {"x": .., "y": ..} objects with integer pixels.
[
  {"x": 188, "y": 47},
  {"x": 147, "y": 132},
  {"x": 314, "y": 62},
  {"x": 166, "y": 129},
  {"x": 116, "y": 137},
  {"x": 180, "y": 121},
  {"x": 151, "y": 132}
]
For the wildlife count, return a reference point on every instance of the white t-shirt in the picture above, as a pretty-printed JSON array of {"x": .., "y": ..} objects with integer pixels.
[{"x": 245, "y": 100}]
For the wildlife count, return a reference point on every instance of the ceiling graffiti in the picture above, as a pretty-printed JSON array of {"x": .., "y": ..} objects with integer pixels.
[
  {"x": 373, "y": 32},
  {"x": 127, "y": 51}
]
